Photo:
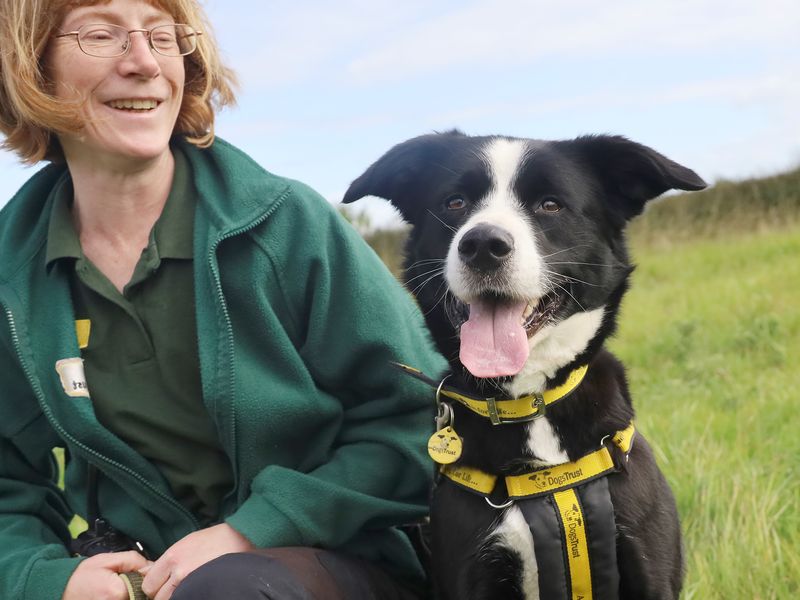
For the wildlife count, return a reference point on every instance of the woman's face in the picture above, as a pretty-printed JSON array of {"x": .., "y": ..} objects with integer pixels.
[{"x": 130, "y": 102}]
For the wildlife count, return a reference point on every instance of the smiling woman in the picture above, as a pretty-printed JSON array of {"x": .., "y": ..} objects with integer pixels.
[
  {"x": 30, "y": 115},
  {"x": 208, "y": 342}
]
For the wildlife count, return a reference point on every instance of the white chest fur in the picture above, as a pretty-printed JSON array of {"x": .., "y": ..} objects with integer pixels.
[{"x": 513, "y": 533}]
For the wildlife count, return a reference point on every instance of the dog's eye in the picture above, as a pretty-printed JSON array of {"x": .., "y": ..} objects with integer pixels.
[
  {"x": 455, "y": 203},
  {"x": 549, "y": 205}
]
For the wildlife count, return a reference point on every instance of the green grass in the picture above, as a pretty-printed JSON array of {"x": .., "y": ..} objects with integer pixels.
[{"x": 710, "y": 333}]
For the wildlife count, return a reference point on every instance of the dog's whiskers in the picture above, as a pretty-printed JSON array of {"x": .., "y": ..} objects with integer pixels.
[
  {"x": 433, "y": 272},
  {"x": 585, "y": 264},
  {"x": 438, "y": 301},
  {"x": 425, "y": 261},
  {"x": 565, "y": 250},
  {"x": 453, "y": 229},
  {"x": 568, "y": 293},
  {"x": 417, "y": 289},
  {"x": 570, "y": 278}
]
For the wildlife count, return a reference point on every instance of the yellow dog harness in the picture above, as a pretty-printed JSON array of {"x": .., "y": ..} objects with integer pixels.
[
  {"x": 568, "y": 510},
  {"x": 546, "y": 480},
  {"x": 567, "y": 506}
]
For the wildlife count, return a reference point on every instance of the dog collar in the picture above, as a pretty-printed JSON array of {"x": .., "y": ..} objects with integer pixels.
[
  {"x": 503, "y": 410},
  {"x": 545, "y": 480}
]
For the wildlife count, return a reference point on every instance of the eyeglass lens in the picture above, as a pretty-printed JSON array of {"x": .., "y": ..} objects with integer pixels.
[{"x": 108, "y": 40}]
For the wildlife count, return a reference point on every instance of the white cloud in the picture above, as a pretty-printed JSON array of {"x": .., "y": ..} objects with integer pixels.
[{"x": 513, "y": 32}]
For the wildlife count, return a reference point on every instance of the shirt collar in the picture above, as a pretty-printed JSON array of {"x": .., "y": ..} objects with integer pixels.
[
  {"x": 174, "y": 230},
  {"x": 62, "y": 239}
]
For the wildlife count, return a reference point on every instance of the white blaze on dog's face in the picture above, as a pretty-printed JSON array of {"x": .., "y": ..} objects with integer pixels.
[
  {"x": 493, "y": 265},
  {"x": 504, "y": 293},
  {"x": 521, "y": 275}
]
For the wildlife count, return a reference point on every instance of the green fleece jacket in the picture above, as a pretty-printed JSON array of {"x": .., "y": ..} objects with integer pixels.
[{"x": 297, "y": 321}]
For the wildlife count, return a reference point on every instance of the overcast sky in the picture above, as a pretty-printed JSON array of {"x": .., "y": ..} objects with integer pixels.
[{"x": 327, "y": 87}]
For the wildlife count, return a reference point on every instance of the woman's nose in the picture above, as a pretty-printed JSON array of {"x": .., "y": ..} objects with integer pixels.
[{"x": 140, "y": 58}]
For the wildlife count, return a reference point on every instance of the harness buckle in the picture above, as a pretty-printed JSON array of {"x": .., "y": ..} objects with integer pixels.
[
  {"x": 444, "y": 416},
  {"x": 505, "y": 504},
  {"x": 626, "y": 455},
  {"x": 443, "y": 411},
  {"x": 494, "y": 415},
  {"x": 539, "y": 405}
]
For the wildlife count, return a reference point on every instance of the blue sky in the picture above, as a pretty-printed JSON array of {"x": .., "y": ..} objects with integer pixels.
[{"x": 327, "y": 87}]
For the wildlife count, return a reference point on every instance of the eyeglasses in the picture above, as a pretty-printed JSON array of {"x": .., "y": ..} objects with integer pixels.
[{"x": 108, "y": 41}]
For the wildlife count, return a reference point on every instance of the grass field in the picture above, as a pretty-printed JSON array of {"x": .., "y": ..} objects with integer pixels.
[{"x": 710, "y": 332}]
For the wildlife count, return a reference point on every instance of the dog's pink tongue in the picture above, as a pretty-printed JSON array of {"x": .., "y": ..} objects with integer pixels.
[{"x": 493, "y": 341}]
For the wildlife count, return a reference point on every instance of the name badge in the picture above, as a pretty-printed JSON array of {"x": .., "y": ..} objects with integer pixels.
[{"x": 73, "y": 379}]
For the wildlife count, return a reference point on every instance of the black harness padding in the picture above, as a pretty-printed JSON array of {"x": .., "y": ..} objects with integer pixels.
[
  {"x": 602, "y": 538},
  {"x": 547, "y": 529},
  {"x": 548, "y": 546}
]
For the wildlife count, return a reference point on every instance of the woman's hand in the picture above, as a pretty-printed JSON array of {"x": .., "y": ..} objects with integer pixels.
[
  {"x": 185, "y": 555},
  {"x": 97, "y": 577}
]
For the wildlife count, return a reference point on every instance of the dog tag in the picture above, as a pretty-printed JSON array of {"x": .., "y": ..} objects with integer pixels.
[{"x": 444, "y": 446}]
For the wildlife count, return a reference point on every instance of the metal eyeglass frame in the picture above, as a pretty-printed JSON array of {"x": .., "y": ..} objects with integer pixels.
[{"x": 126, "y": 46}]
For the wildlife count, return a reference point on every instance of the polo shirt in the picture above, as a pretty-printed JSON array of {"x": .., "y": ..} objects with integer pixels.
[{"x": 140, "y": 348}]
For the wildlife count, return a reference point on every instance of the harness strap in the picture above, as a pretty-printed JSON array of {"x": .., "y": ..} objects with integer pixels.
[
  {"x": 574, "y": 535},
  {"x": 573, "y": 526},
  {"x": 546, "y": 480},
  {"x": 561, "y": 477},
  {"x": 504, "y": 410}
]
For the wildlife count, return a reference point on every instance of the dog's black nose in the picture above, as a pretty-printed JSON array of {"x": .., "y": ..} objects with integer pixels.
[{"x": 485, "y": 247}]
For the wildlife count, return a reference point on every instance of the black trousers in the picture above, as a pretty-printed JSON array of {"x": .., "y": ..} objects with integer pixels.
[{"x": 290, "y": 574}]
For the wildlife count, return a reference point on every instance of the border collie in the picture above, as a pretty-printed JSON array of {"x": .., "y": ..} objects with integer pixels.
[{"x": 517, "y": 258}]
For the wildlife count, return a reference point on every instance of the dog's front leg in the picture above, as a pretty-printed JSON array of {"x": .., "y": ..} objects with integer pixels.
[
  {"x": 470, "y": 560},
  {"x": 649, "y": 551}
]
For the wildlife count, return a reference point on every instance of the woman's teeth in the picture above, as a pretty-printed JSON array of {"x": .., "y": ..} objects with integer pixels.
[{"x": 133, "y": 104}]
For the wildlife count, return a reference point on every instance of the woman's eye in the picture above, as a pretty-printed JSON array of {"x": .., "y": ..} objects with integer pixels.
[
  {"x": 550, "y": 205},
  {"x": 455, "y": 203},
  {"x": 97, "y": 35}
]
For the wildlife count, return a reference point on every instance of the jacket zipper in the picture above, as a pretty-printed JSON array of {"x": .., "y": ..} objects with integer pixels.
[
  {"x": 229, "y": 327},
  {"x": 65, "y": 435}
]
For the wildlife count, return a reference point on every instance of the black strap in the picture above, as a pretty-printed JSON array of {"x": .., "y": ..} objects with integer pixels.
[
  {"x": 92, "y": 509},
  {"x": 541, "y": 515}
]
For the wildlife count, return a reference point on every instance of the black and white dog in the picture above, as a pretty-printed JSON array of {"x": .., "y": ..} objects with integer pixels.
[{"x": 518, "y": 260}]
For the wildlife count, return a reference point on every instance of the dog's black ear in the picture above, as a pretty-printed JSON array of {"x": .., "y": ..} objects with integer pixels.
[
  {"x": 402, "y": 170},
  {"x": 635, "y": 173}
]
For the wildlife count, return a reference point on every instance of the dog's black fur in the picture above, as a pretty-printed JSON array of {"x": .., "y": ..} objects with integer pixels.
[{"x": 574, "y": 199}]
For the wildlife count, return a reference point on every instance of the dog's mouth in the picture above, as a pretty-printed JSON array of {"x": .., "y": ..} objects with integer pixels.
[
  {"x": 494, "y": 336},
  {"x": 538, "y": 315}
]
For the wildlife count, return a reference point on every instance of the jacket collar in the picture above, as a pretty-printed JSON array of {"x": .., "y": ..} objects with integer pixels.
[{"x": 232, "y": 189}]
